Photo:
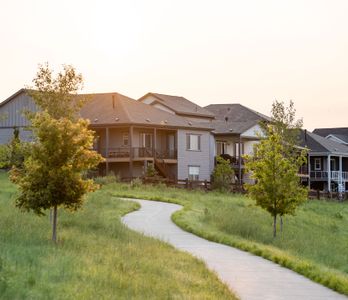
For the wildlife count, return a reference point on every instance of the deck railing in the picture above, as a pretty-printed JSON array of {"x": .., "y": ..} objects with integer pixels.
[
  {"x": 137, "y": 152},
  {"x": 335, "y": 175}
]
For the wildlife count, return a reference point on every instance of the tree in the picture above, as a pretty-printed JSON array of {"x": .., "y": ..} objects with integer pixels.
[
  {"x": 223, "y": 174},
  {"x": 275, "y": 164},
  {"x": 52, "y": 175}
]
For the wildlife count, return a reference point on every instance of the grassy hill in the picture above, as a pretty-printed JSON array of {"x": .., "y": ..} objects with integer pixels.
[{"x": 97, "y": 257}]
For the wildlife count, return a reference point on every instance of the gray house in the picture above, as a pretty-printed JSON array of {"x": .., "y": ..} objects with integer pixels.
[{"x": 327, "y": 163}]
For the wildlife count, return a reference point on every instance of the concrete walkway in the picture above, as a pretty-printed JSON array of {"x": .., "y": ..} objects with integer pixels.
[{"x": 249, "y": 276}]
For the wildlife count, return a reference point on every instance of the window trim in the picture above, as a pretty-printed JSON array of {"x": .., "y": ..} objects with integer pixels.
[
  {"x": 188, "y": 172},
  {"x": 317, "y": 159},
  {"x": 188, "y": 142}
]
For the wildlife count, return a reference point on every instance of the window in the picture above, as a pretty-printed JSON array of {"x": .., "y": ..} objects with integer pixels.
[
  {"x": 146, "y": 140},
  {"x": 221, "y": 148},
  {"x": 317, "y": 164},
  {"x": 125, "y": 139},
  {"x": 193, "y": 142},
  {"x": 193, "y": 173}
]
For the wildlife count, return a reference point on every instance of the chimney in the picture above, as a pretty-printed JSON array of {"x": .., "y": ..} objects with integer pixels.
[{"x": 305, "y": 135}]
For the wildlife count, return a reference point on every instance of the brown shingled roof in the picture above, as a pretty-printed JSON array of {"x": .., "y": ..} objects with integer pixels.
[{"x": 115, "y": 109}]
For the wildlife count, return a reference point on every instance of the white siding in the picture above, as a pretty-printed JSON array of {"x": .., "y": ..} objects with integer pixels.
[
  {"x": 253, "y": 132},
  {"x": 200, "y": 158},
  {"x": 249, "y": 147}
]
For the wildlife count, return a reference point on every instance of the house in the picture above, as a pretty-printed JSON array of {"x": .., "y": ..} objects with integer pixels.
[
  {"x": 327, "y": 163},
  {"x": 131, "y": 134},
  {"x": 236, "y": 130},
  {"x": 339, "y": 135}
]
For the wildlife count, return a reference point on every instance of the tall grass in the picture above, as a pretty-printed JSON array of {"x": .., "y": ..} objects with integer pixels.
[
  {"x": 314, "y": 242},
  {"x": 97, "y": 256}
]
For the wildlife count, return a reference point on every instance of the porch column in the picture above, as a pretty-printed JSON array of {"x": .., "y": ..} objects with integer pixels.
[
  {"x": 329, "y": 173},
  {"x": 130, "y": 142},
  {"x": 340, "y": 176},
  {"x": 309, "y": 171},
  {"x": 240, "y": 160},
  {"x": 107, "y": 150},
  {"x": 154, "y": 142}
]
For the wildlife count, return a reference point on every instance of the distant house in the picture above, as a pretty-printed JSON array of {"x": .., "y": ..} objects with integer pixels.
[
  {"x": 339, "y": 135},
  {"x": 327, "y": 163},
  {"x": 236, "y": 130}
]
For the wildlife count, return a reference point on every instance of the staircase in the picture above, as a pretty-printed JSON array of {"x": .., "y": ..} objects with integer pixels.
[{"x": 162, "y": 168}]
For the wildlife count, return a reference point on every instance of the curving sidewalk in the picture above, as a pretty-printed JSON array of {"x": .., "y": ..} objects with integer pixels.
[{"x": 249, "y": 276}]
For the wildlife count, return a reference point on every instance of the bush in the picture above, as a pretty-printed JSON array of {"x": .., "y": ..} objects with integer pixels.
[
  {"x": 223, "y": 175},
  {"x": 151, "y": 171}
]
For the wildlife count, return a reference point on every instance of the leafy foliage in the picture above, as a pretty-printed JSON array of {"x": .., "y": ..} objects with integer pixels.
[
  {"x": 52, "y": 174},
  {"x": 58, "y": 95},
  {"x": 223, "y": 175}
]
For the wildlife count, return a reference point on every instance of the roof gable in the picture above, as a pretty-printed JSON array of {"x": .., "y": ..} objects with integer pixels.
[{"x": 179, "y": 105}]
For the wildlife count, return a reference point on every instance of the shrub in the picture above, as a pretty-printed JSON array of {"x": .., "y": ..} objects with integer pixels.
[
  {"x": 223, "y": 175},
  {"x": 151, "y": 171}
]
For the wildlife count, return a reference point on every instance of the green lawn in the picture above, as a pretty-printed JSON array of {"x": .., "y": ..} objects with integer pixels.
[
  {"x": 314, "y": 242},
  {"x": 97, "y": 257}
]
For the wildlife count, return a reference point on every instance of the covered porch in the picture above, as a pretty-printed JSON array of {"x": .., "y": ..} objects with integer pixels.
[
  {"x": 328, "y": 172},
  {"x": 129, "y": 149}
]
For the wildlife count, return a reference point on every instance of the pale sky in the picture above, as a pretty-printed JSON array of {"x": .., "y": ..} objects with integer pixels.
[{"x": 248, "y": 52}]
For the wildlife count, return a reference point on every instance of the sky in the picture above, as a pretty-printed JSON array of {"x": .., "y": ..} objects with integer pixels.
[{"x": 250, "y": 52}]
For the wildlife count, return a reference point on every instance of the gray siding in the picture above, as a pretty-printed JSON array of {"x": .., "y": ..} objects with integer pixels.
[
  {"x": 12, "y": 115},
  {"x": 196, "y": 158}
]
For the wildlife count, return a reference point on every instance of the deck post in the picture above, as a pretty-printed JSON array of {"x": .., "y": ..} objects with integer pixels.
[
  {"x": 340, "y": 174},
  {"x": 106, "y": 150},
  {"x": 309, "y": 171},
  {"x": 130, "y": 142},
  {"x": 240, "y": 161},
  {"x": 154, "y": 142},
  {"x": 329, "y": 173}
]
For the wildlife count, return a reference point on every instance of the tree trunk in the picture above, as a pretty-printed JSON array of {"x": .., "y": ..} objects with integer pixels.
[
  {"x": 281, "y": 224},
  {"x": 274, "y": 226},
  {"x": 54, "y": 224}
]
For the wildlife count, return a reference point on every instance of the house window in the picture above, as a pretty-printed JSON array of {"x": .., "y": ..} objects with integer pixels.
[
  {"x": 193, "y": 173},
  {"x": 193, "y": 142},
  {"x": 125, "y": 139},
  {"x": 221, "y": 148},
  {"x": 317, "y": 164}
]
